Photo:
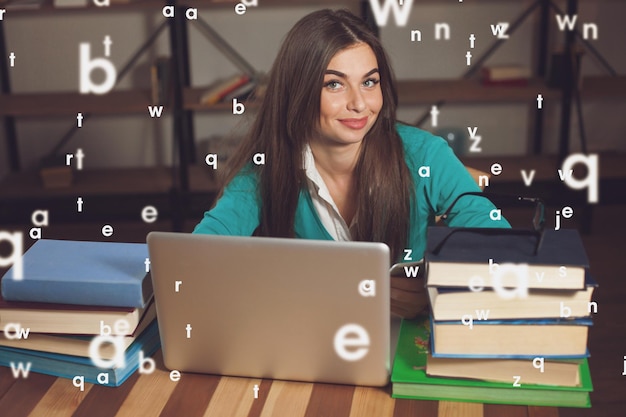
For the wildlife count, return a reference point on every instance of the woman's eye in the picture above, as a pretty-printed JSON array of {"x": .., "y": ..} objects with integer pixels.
[
  {"x": 333, "y": 85},
  {"x": 371, "y": 82}
]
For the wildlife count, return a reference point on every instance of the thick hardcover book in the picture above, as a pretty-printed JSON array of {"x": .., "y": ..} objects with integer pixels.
[
  {"x": 84, "y": 273},
  {"x": 65, "y": 318},
  {"x": 548, "y": 338},
  {"x": 69, "y": 366},
  {"x": 449, "y": 303},
  {"x": 470, "y": 258},
  {"x": 504, "y": 73},
  {"x": 76, "y": 344},
  {"x": 409, "y": 379},
  {"x": 560, "y": 372}
]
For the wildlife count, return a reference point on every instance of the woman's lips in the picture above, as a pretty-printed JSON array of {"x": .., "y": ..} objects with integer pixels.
[{"x": 355, "y": 124}]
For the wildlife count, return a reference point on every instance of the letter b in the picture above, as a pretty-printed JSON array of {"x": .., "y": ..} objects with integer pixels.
[
  {"x": 87, "y": 65},
  {"x": 238, "y": 108},
  {"x": 146, "y": 365}
]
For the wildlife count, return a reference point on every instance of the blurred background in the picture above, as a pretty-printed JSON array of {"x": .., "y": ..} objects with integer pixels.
[
  {"x": 125, "y": 161},
  {"x": 191, "y": 61}
]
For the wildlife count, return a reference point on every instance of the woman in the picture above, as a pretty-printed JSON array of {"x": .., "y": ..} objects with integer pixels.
[{"x": 338, "y": 165}]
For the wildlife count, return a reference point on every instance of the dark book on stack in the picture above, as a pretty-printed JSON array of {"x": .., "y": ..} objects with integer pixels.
[{"x": 560, "y": 263}]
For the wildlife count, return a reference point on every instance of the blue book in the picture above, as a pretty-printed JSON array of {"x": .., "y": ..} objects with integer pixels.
[
  {"x": 548, "y": 338},
  {"x": 69, "y": 366},
  {"x": 85, "y": 273}
]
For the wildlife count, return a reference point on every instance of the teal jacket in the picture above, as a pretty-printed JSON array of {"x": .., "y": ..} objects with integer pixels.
[{"x": 438, "y": 177}]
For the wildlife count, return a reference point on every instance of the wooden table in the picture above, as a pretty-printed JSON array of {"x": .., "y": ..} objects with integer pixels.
[{"x": 146, "y": 395}]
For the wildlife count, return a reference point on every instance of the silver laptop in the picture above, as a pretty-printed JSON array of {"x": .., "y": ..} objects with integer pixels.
[{"x": 290, "y": 309}]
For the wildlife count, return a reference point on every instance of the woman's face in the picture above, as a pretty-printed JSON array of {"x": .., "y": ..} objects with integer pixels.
[{"x": 351, "y": 96}]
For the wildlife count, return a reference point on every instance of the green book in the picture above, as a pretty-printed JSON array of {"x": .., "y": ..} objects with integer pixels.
[{"x": 409, "y": 379}]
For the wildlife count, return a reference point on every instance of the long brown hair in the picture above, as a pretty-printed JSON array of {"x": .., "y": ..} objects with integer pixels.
[{"x": 289, "y": 116}]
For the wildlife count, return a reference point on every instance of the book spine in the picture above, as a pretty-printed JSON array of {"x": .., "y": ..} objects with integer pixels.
[
  {"x": 77, "y": 293},
  {"x": 69, "y": 366}
]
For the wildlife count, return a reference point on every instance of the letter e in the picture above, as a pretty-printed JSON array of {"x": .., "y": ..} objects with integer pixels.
[
  {"x": 107, "y": 230},
  {"x": 360, "y": 340},
  {"x": 149, "y": 214},
  {"x": 240, "y": 9}
]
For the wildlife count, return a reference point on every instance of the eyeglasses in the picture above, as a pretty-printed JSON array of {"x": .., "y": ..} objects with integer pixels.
[{"x": 538, "y": 220}]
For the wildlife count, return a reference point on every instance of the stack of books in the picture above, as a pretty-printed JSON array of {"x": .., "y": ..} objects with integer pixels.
[
  {"x": 506, "y": 325},
  {"x": 80, "y": 310},
  {"x": 505, "y": 75},
  {"x": 239, "y": 86}
]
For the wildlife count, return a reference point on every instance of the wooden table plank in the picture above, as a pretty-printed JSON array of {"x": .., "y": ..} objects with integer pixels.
[
  {"x": 543, "y": 411},
  {"x": 499, "y": 410},
  {"x": 329, "y": 399},
  {"x": 191, "y": 396},
  {"x": 150, "y": 393},
  {"x": 372, "y": 401},
  {"x": 233, "y": 397},
  {"x": 24, "y": 394},
  {"x": 458, "y": 409},
  {"x": 287, "y": 399},
  {"x": 103, "y": 401},
  {"x": 207, "y": 395},
  {"x": 417, "y": 408},
  {"x": 259, "y": 404},
  {"x": 6, "y": 377},
  {"x": 61, "y": 400}
]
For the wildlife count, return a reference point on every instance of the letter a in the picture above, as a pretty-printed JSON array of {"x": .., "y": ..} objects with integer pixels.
[{"x": 168, "y": 11}]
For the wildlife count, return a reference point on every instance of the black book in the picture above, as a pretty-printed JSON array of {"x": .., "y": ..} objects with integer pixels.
[{"x": 477, "y": 260}]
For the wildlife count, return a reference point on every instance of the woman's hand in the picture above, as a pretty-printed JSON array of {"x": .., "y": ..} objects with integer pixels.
[{"x": 408, "y": 296}]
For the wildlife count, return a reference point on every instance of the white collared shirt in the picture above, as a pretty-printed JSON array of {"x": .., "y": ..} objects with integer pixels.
[{"x": 323, "y": 202}]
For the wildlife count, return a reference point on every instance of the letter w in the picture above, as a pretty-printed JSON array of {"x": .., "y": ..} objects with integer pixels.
[
  {"x": 400, "y": 13},
  {"x": 411, "y": 271},
  {"x": 20, "y": 369},
  {"x": 155, "y": 111},
  {"x": 563, "y": 175},
  {"x": 566, "y": 20},
  {"x": 23, "y": 333},
  {"x": 482, "y": 314},
  {"x": 500, "y": 30}
]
